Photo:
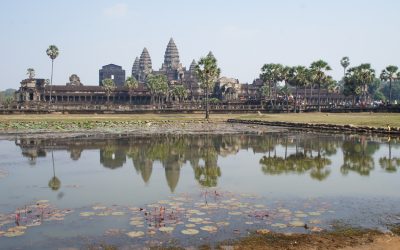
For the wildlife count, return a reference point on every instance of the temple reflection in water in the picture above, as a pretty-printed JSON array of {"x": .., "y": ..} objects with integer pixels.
[{"x": 279, "y": 153}]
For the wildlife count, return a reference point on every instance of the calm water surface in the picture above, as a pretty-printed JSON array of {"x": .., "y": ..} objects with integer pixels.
[{"x": 149, "y": 190}]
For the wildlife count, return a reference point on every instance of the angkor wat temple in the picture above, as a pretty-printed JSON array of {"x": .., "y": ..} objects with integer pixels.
[{"x": 228, "y": 90}]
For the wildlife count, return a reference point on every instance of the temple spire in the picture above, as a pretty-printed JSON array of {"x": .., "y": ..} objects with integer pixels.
[
  {"x": 145, "y": 65},
  {"x": 171, "y": 56},
  {"x": 135, "y": 67}
]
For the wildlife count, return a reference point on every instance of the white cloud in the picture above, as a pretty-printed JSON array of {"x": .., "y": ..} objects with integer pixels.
[{"x": 116, "y": 11}]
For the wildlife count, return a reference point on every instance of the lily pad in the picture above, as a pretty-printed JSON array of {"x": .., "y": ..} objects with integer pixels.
[
  {"x": 297, "y": 223},
  {"x": 279, "y": 225},
  {"x": 314, "y": 213},
  {"x": 190, "y": 231},
  {"x": 301, "y": 215},
  {"x": 136, "y": 223},
  {"x": 249, "y": 223},
  {"x": 190, "y": 225},
  {"x": 210, "y": 229},
  {"x": 135, "y": 234},
  {"x": 166, "y": 229},
  {"x": 87, "y": 214},
  {"x": 195, "y": 220}
]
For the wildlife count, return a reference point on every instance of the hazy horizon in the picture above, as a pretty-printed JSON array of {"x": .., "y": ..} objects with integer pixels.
[{"x": 242, "y": 36}]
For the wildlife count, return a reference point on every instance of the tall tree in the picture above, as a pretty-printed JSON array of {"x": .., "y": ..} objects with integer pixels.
[
  {"x": 298, "y": 77},
  {"x": 52, "y": 52},
  {"x": 131, "y": 83},
  {"x": 158, "y": 86},
  {"x": 30, "y": 73},
  {"x": 345, "y": 62},
  {"x": 207, "y": 73},
  {"x": 366, "y": 77},
  {"x": 108, "y": 86},
  {"x": 284, "y": 77},
  {"x": 390, "y": 73},
  {"x": 352, "y": 84},
  {"x": 319, "y": 76},
  {"x": 270, "y": 74}
]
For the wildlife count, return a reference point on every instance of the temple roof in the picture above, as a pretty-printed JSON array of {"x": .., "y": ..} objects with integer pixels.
[
  {"x": 135, "y": 67},
  {"x": 211, "y": 54},
  {"x": 145, "y": 61},
  {"x": 171, "y": 57},
  {"x": 192, "y": 66}
]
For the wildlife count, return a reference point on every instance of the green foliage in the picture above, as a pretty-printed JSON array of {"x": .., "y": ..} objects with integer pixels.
[
  {"x": 52, "y": 52},
  {"x": 357, "y": 80},
  {"x": 131, "y": 83},
  {"x": 345, "y": 62},
  {"x": 157, "y": 84},
  {"x": 179, "y": 92},
  {"x": 394, "y": 91},
  {"x": 30, "y": 73},
  {"x": 108, "y": 86},
  {"x": 207, "y": 72}
]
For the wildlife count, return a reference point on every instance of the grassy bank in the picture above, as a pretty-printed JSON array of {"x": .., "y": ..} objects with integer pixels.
[{"x": 60, "y": 121}]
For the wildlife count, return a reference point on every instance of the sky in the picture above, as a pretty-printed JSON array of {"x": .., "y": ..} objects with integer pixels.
[{"x": 243, "y": 35}]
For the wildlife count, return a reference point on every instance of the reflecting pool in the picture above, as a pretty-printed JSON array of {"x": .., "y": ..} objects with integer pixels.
[{"x": 157, "y": 190}]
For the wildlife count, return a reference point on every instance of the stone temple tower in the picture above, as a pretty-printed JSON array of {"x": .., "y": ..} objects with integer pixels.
[
  {"x": 135, "y": 68},
  {"x": 172, "y": 66},
  {"x": 145, "y": 66},
  {"x": 171, "y": 57}
]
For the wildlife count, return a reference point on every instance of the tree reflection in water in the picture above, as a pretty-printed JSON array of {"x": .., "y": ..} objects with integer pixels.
[
  {"x": 284, "y": 153},
  {"x": 389, "y": 164}
]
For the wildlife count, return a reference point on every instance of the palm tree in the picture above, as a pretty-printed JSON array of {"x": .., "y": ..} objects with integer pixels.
[
  {"x": 54, "y": 182},
  {"x": 30, "y": 73},
  {"x": 179, "y": 92},
  {"x": 298, "y": 77},
  {"x": 345, "y": 62},
  {"x": 131, "y": 83},
  {"x": 366, "y": 76},
  {"x": 318, "y": 76},
  {"x": 157, "y": 85},
  {"x": 390, "y": 74},
  {"x": 270, "y": 75},
  {"x": 108, "y": 86},
  {"x": 207, "y": 73},
  {"x": 284, "y": 76},
  {"x": 52, "y": 52}
]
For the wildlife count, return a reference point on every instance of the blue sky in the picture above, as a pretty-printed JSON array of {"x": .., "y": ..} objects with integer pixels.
[{"x": 243, "y": 35}]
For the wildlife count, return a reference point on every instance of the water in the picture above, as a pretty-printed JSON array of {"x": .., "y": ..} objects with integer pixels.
[{"x": 222, "y": 186}]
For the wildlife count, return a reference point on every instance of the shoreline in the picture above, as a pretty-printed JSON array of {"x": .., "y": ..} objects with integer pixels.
[{"x": 322, "y": 127}]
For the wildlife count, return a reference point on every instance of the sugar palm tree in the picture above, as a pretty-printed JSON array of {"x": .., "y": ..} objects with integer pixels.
[
  {"x": 298, "y": 77},
  {"x": 284, "y": 76},
  {"x": 318, "y": 75},
  {"x": 390, "y": 73},
  {"x": 366, "y": 76},
  {"x": 207, "y": 73},
  {"x": 54, "y": 182},
  {"x": 52, "y": 52},
  {"x": 30, "y": 73},
  {"x": 345, "y": 62},
  {"x": 108, "y": 86},
  {"x": 131, "y": 83},
  {"x": 270, "y": 76}
]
